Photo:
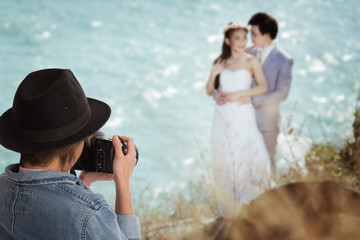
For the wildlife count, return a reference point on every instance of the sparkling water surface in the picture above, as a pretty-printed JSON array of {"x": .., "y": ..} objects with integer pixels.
[{"x": 150, "y": 60}]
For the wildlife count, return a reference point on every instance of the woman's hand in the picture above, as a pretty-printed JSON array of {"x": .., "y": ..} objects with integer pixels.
[
  {"x": 217, "y": 68},
  {"x": 123, "y": 165},
  {"x": 245, "y": 100},
  {"x": 89, "y": 177},
  {"x": 220, "y": 98},
  {"x": 233, "y": 97}
]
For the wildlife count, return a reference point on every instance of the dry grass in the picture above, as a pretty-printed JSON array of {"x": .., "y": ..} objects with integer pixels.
[
  {"x": 306, "y": 207},
  {"x": 172, "y": 215}
]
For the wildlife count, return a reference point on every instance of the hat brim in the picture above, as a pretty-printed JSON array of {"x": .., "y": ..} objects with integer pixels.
[{"x": 10, "y": 139}]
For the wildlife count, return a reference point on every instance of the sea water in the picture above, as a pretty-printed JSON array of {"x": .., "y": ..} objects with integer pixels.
[{"x": 150, "y": 60}]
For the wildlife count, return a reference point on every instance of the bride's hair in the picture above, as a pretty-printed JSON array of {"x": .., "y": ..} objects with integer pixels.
[{"x": 226, "y": 50}]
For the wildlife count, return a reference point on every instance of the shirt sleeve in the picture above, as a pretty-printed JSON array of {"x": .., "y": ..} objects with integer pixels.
[
  {"x": 105, "y": 224},
  {"x": 130, "y": 225},
  {"x": 282, "y": 88}
]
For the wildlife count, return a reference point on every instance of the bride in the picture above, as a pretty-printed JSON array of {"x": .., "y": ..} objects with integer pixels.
[{"x": 241, "y": 164}]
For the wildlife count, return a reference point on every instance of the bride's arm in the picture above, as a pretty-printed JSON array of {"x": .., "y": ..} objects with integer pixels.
[
  {"x": 216, "y": 69},
  {"x": 260, "y": 79}
]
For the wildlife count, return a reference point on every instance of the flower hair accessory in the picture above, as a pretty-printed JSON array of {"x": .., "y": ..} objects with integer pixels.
[{"x": 233, "y": 25}]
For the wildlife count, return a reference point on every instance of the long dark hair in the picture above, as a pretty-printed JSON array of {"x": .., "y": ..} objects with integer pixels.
[{"x": 226, "y": 50}]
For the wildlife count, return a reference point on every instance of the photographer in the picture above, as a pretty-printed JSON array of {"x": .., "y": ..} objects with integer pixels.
[{"x": 49, "y": 123}]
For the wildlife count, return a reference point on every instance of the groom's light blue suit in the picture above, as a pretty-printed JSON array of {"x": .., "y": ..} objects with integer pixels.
[{"x": 277, "y": 68}]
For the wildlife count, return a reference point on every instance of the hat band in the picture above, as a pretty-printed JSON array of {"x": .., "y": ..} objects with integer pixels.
[{"x": 58, "y": 133}]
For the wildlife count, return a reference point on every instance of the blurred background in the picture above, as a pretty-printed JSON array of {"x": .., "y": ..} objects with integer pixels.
[{"x": 150, "y": 60}]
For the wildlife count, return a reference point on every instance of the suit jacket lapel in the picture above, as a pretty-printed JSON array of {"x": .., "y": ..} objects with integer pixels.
[{"x": 269, "y": 58}]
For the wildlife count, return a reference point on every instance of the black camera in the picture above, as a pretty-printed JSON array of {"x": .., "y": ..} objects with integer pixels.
[{"x": 99, "y": 156}]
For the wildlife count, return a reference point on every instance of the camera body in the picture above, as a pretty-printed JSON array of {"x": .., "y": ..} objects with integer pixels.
[{"x": 99, "y": 156}]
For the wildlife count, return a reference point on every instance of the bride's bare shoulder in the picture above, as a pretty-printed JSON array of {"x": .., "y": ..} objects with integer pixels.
[{"x": 251, "y": 59}]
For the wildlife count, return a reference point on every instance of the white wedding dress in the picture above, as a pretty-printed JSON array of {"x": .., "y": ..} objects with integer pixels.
[{"x": 241, "y": 164}]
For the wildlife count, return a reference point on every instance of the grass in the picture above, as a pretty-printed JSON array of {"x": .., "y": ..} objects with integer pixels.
[
  {"x": 191, "y": 212},
  {"x": 334, "y": 162}
]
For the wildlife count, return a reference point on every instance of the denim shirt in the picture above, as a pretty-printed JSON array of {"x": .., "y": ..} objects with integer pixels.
[{"x": 57, "y": 205}]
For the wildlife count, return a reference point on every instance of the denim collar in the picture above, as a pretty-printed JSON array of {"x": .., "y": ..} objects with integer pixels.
[{"x": 41, "y": 177}]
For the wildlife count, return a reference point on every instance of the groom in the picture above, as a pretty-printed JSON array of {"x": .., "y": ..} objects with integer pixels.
[{"x": 277, "y": 67}]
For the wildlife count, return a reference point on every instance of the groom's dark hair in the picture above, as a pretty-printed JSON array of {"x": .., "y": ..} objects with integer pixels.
[{"x": 266, "y": 23}]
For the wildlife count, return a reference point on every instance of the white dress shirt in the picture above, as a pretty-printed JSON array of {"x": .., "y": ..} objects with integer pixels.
[{"x": 264, "y": 52}]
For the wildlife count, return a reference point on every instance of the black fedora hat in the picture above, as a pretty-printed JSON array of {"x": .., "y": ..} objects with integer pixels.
[{"x": 50, "y": 111}]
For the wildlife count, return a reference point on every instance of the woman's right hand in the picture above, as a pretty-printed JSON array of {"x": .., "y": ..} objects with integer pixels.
[
  {"x": 123, "y": 165},
  {"x": 217, "y": 68},
  {"x": 220, "y": 98}
]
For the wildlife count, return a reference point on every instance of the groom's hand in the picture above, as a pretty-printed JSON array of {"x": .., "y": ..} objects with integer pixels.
[
  {"x": 220, "y": 98},
  {"x": 245, "y": 100}
]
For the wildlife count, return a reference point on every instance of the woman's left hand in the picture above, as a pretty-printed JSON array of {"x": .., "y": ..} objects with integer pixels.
[
  {"x": 89, "y": 177},
  {"x": 233, "y": 97}
]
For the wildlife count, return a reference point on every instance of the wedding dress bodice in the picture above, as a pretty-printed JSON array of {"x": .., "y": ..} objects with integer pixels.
[{"x": 231, "y": 81}]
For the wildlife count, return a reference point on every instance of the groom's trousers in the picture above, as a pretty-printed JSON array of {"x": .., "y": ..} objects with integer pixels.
[{"x": 270, "y": 139}]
